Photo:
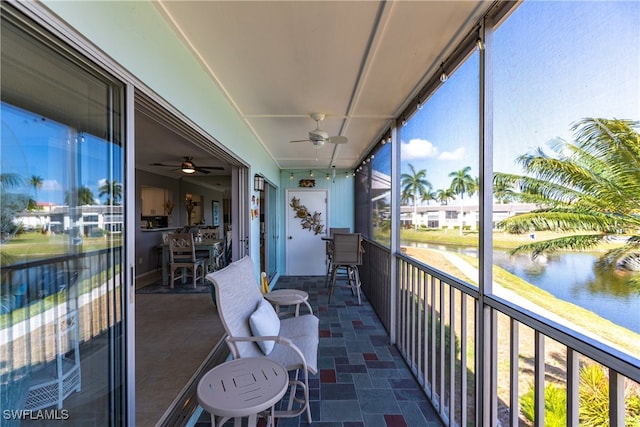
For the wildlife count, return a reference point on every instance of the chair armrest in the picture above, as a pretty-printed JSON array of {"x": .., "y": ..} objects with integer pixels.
[{"x": 277, "y": 339}]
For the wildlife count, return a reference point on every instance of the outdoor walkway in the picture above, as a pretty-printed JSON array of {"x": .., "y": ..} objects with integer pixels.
[{"x": 362, "y": 379}]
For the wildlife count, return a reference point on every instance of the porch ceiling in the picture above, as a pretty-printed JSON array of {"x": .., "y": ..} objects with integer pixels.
[{"x": 359, "y": 62}]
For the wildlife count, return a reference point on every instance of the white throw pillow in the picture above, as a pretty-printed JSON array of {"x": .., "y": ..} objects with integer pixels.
[{"x": 265, "y": 322}]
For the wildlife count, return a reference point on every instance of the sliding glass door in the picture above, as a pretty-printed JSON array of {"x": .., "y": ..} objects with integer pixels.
[{"x": 62, "y": 340}]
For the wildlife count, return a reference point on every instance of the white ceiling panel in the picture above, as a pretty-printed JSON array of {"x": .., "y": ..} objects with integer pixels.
[{"x": 359, "y": 62}]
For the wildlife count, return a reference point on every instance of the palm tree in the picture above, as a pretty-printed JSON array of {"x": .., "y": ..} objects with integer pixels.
[
  {"x": 36, "y": 182},
  {"x": 591, "y": 185},
  {"x": 8, "y": 180},
  {"x": 405, "y": 198},
  {"x": 504, "y": 192},
  {"x": 84, "y": 197},
  {"x": 462, "y": 183},
  {"x": 10, "y": 206},
  {"x": 444, "y": 195},
  {"x": 113, "y": 191},
  {"x": 429, "y": 195},
  {"x": 415, "y": 185}
]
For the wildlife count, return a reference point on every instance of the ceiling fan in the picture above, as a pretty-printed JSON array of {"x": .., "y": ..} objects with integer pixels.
[
  {"x": 189, "y": 167},
  {"x": 318, "y": 137}
]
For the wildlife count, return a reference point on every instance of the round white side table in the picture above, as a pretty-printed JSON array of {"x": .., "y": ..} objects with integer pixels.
[
  {"x": 242, "y": 388},
  {"x": 295, "y": 297}
]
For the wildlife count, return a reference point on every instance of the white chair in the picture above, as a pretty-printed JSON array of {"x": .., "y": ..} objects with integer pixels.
[
  {"x": 58, "y": 379},
  {"x": 347, "y": 255},
  {"x": 209, "y": 234},
  {"x": 239, "y": 301},
  {"x": 183, "y": 257}
]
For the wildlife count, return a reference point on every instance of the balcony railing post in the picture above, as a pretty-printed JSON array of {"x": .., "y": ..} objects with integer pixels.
[
  {"x": 616, "y": 399},
  {"x": 514, "y": 352},
  {"x": 573, "y": 386},
  {"x": 539, "y": 374}
]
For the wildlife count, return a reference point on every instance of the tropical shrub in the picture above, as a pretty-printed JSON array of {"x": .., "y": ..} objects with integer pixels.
[
  {"x": 555, "y": 404},
  {"x": 593, "y": 401}
]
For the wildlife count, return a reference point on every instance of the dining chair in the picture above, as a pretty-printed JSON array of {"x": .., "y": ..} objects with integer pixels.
[
  {"x": 329, "y": 249},
  {"x": 182, "y": 253},
  {"x": 209, "y": 234},
  {"x": 347, "y": 256}
]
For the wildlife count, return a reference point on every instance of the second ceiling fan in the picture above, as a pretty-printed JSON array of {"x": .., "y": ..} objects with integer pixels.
[
  {"x": 319, "y": 137},
  {"x": 188, "y": 167}
]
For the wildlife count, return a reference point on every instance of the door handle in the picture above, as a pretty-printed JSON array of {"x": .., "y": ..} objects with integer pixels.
[{"x": 290, "y": 237}]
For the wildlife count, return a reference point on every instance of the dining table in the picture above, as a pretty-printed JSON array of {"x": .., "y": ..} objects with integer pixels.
[{"x": 213, "y": 247}]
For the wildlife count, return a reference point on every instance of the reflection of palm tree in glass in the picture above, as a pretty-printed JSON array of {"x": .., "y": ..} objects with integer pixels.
[
  {"x": 10, "y": 205},
  {"x": 590, "y": 185},
  {"x": 414, "y": 185},
  {"x": 84, "y": 197},
  {"x": 113, "y": 191},
  {"x": 462, "y": 183},
  {"x": 36, "y": 182}
]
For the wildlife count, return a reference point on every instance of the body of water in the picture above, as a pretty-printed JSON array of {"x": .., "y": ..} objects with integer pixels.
[{"x": 573, "y": 277}]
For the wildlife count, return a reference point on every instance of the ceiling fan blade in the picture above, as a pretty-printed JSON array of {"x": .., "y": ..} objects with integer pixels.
[
  {"x": 213, "y": 168},
  {"x": 162, "y": 164},
  {"x": 202, "y": 170},
  {"x": 338, "y": 139},
  {"x": 301, "y": 140}
]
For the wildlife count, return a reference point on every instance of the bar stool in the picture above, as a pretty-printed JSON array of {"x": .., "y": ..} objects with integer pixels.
[
  {"x": 347, "y": 255},
  {"x": 329, "y": 248}
]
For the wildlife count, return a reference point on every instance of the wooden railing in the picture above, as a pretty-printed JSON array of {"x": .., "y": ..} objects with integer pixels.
[{"x": 477, "y": 356}]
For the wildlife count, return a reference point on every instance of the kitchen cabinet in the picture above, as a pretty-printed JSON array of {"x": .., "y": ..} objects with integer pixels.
[{"x": 153, "y": 201}]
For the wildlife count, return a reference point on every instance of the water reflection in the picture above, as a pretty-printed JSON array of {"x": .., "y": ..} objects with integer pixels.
[{"x": 571, "y": 276}]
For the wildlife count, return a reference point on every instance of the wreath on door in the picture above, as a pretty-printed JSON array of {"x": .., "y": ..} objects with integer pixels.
[{"x": 307, "y": 220}]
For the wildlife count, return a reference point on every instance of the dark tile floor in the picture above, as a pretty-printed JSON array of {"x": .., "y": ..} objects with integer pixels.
[{"x": 362, "y": 379}]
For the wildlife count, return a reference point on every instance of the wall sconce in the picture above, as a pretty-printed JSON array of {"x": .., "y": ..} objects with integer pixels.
[{"x": 258, "y": 183}]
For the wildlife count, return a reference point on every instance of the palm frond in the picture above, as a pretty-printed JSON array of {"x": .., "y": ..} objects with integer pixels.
[{"x": 576, "y": 242}]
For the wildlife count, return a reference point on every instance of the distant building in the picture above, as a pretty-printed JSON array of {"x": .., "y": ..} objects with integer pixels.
[
  {"x": 448, "y": 216},
  {"x": 88, "y": 220}
]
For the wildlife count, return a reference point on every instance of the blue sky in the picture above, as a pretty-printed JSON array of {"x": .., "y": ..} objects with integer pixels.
[
  {"x": 32, "y": 146},
  {"x": 554, "y": 63}
]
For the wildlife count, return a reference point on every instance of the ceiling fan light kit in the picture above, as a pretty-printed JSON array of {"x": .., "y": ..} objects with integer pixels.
[{"x": 188, "y": 167}]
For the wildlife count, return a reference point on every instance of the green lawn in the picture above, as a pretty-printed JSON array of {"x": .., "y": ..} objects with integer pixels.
[
  {"x": 33, "y": 246},
  {"x": 501, "y": 239}
]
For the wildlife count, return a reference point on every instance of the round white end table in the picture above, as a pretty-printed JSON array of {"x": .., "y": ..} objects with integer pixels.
[
  {"x": 295, "y": 297},
  {"x": 242, "y": 388}
]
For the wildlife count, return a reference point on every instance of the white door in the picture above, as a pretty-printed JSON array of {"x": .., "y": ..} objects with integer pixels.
[{"x": 306, "y": 224}]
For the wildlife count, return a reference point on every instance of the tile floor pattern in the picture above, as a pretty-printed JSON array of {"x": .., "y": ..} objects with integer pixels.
[{"x": 362, "y": 379}]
